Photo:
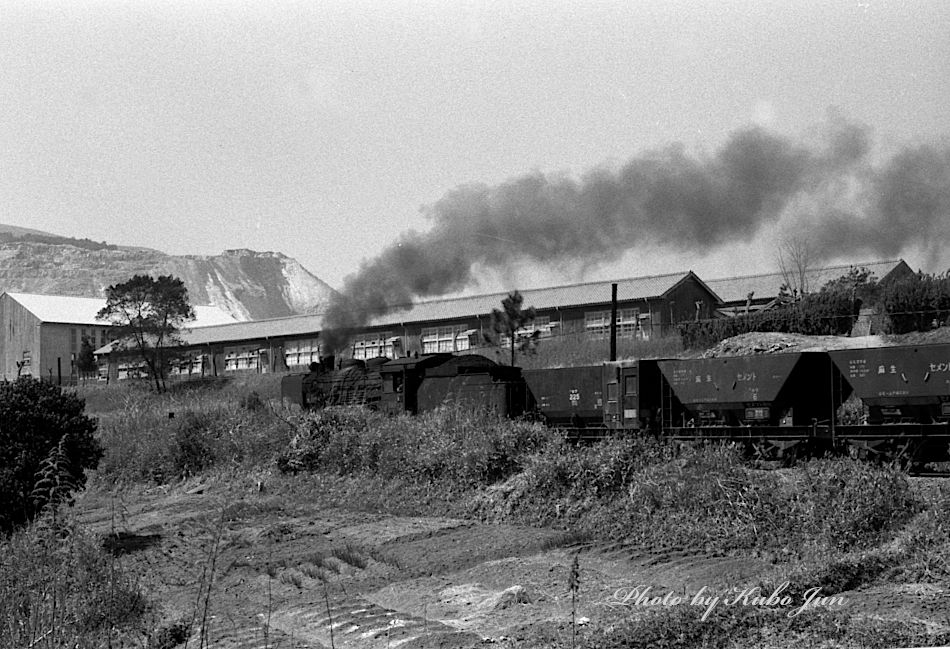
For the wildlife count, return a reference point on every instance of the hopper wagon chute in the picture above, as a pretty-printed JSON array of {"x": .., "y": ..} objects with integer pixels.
[
  {"x": 774, "y": 403},
  {"x": 906, "y": 396}
]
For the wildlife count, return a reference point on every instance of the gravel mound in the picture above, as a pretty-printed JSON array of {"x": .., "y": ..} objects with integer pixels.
[{"x": 777, "y": 343}]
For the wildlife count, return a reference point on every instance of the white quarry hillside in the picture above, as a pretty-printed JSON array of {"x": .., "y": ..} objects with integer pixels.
[{"x": 245, "y": 283}]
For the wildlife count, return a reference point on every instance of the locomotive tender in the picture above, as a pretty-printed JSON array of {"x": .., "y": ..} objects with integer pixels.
[{"x": 777, "y": 405}]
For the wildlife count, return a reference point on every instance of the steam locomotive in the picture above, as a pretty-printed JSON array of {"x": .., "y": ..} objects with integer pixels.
[{"x": 777, "y": 406}]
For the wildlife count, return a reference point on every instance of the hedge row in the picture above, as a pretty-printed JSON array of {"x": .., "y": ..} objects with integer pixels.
[
  {"x": 817, "y": 314},
  {"x": 917, "y": 303}
]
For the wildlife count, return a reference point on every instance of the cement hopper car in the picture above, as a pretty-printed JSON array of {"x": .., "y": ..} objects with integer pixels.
[
  {"x": 906, "y": 395},
  {"x": 773, "y": 403}
]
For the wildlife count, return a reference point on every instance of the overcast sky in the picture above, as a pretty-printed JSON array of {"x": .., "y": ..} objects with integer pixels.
[{"x": 323, "y": 129}]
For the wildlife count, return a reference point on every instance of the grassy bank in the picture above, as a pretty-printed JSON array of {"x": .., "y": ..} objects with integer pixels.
[
  {"x": 631, "y": 490},
  {"x": 834, "y": 523}
]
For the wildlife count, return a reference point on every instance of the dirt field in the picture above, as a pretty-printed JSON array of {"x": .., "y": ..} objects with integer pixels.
[{"x": 285, "y": 573}]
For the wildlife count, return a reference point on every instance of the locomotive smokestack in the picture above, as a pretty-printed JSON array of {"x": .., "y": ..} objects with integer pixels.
[{"x": 666, "y": 199}]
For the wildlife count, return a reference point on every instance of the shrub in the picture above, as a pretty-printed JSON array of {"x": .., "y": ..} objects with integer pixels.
[
  {"x": 39, "y": 422},
  {"x": 830, "y": 311},
  {"x": 449, "y": 444},
  {"x": 917, "y": 303},
  {"x": 817, "y": 314},
  {"x": 650, "y": 492},
  {"x": 194, "y": 446},
  {"x": 843, "y": 504}
]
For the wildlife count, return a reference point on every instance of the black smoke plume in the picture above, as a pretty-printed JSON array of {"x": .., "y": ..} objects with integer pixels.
[{"x": 667, "y": 199}]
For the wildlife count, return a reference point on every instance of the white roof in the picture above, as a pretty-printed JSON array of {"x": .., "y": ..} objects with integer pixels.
[{"x": 83, "y": 310}]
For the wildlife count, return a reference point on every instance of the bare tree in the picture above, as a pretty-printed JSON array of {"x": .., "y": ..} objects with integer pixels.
[{"x": 796, "y": 256}]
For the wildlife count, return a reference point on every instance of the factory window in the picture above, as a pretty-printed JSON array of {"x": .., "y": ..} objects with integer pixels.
[
  {"x": 463, "y": 340},
  {"x": 445, "y": 339},
  {"x": 542, "y": 324},
  {"x": 73, "y": 340},
  {"x": 132, "y": 370},
  {"x": 188, "y": 364},
  {"x": 597, "y": 323},
  {"x": 373, "y": 345},
  {"x": 244, "y": 358},
  {"x": 300, "y": 353}
]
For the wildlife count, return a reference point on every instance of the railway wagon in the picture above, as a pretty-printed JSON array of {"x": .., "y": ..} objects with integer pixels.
[
  {"x": 567, "y": 397},
  {"x": 475, "y": 382},
  {"x": 775, "y": 404},
  {"x": 906, "y": 394},
  {"x": 614, "y": 396},
  {"x": 632, "y": 390}
]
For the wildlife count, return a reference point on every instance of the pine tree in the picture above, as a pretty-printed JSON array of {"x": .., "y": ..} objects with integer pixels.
[{"x": 510, "y": 325}]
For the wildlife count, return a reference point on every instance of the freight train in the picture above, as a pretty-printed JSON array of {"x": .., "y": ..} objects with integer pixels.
[{"x": 777, "y": 406}]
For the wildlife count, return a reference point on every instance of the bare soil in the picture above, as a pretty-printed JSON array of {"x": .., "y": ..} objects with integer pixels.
[{"x": 289, "y": 573}]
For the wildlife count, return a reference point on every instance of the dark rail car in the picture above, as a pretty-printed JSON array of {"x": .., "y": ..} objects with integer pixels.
[
  {"x": 776, "y": 405},
  {"x": 569, "y": 397},
  {"x": 906, "y": 393},
  {"x": 473, "y": 382},
  {"x": 612, "y": 397}
]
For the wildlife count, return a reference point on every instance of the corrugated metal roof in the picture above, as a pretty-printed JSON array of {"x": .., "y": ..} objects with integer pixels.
[
  {"x": 82, "y": 310},
  {"x": 634, "y": 288},
  {"x": 273, "y": 328},
  {"x": 298, "y": 325},
  {"x": 766, "y": 286}
]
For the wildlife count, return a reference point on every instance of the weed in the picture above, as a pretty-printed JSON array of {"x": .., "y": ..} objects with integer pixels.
[
  {"x": 351, "y": 555},
  {"x": 574, "y": 583},
  {"x": 170, "y": 636},
  {"x": 567, "y": 539},
  {"x": 293, "y": 577},
  {"x": 58, "y": 586},
  {"x": 252, "y": 401},
  {"x": 315, "y": 572}
]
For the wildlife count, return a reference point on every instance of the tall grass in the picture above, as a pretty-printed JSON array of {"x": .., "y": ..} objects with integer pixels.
[
  {"x": 456, "y": 446},
  {"x": 102, "y": 398},
  {"x": 162, "y": 437},
  {"x": 649, "y": 492},
  {"x": 59, "y": 588}
]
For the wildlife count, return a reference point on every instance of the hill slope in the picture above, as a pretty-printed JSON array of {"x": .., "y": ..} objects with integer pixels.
[{"x": 245, "y": 283}]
